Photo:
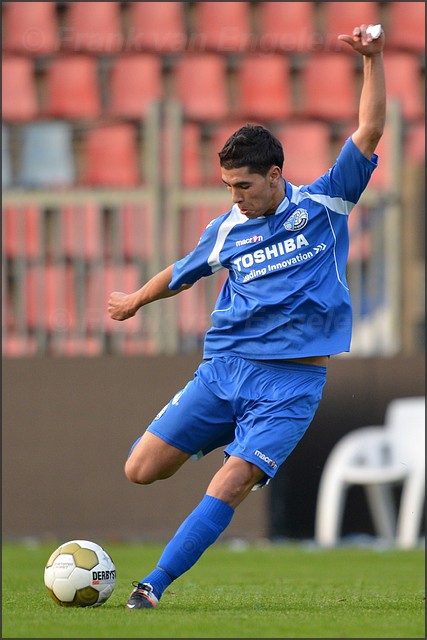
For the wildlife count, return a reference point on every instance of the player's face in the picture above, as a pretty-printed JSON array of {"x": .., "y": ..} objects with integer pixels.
[{"x": 255, "y": 195}]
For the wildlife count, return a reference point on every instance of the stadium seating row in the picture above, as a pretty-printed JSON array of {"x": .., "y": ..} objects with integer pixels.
[
  {"x": 109, "y": 154},
  {"x": 54, "y": 305},
  {"x": 71, "y": 117},
  {"x": 43, "y": 28},
  {"x": 325, "y": 87},
  {"x": 60, "y": 265},
  {"x": 54, "y": 298},
  {"x": 47, "y": 159},
  {"x": 58, "y": 270},
  {"x": 78, "y": 233}
]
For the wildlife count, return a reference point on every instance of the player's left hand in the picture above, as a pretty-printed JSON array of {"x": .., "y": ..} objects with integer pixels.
[{"x": 363, "y": 42}]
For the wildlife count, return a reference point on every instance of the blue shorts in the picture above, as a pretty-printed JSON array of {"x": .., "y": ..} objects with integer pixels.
[{"x": 258, "y": 410}]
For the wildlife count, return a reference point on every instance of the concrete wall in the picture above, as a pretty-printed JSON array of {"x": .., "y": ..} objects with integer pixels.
[{"x": 68, "y": 424}]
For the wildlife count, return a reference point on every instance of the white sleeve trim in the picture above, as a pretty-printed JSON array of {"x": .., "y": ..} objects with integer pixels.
[
  {"x": 229, "y": 223},
  {"x": 338, "y": 205}
]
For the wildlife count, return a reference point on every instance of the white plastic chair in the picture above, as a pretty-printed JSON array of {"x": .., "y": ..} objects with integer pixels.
[{"x": 378, "y": 458}]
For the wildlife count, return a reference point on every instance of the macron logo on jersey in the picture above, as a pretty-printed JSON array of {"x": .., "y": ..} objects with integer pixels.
[{"x": 255, "y": 238}]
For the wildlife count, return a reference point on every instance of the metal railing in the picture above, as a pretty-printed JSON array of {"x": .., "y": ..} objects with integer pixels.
[{"x": 54, "y": 300}]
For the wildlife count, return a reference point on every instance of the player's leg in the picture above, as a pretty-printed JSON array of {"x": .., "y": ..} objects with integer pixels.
[
  {"x": 230, "y": 485},
  {"x": 198, "y": 419},
  {"x": 234, "y": 481},
  {"x": 195, "y": 422},
  {"x": 154, "y": 459},
  {"x": 274, "y": 406},
  {"x": 151, "y": 459}
]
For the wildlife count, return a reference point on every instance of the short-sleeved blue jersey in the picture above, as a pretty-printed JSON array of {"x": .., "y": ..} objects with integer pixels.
[{"x": 286, "y": 295}]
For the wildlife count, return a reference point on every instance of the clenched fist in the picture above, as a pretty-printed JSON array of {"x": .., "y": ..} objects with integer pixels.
[
  {"x": 120, "y": 306},
  {"x": 363, "y": 41}
]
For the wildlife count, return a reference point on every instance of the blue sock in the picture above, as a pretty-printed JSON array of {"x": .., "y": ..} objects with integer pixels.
[{"x": 202, "y": 527}]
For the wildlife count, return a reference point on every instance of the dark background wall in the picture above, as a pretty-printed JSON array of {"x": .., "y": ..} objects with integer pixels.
[
  {"x": 68, "y": 424},
  {"x": 356, "y": 394}
]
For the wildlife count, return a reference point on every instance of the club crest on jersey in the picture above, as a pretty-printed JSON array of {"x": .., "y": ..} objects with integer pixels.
[{"x": 297, "y": 220}]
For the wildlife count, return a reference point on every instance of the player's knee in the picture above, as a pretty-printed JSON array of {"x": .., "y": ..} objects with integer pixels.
[{"x": 138, "y": 472}]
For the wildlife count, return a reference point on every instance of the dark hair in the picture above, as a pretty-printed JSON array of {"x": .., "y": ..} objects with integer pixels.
[{"x": 252, "y": 146}]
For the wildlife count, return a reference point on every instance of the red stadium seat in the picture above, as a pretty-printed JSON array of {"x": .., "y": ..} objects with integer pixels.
[
  {"x": 406, "y": 26},
  {"x": 156, "y": 26},
  {"x": 81, "y": 233},
  {"x": 415, "y": 143},
  {"x": 22, "y": 232},
  {"x": 11, "y": 233},
  {"x": 19, "y": 97},
  {"x": 405, "y": 83},
  {"x": 92, "y": 27},
  {"x": 72, "y": 88},
  {"x": 193, "y": 320},
  {"x": 192, "y": 157},
  {"x": 382, "y": 177},
  {"x": 195, "y": 219},
  {"x": 287, "y": 26},
  {"x": 134, "y": 346},
  {"x": 191, "y": 229},
  {"x": 136, "y": 232},
  {"x": 30, "y": 28},
  {"x": 61, "y": 312},
  {"x": 6, "y": 158},
  {"x": 193, "y": 309},
  {"x": 328, "y": 87},
  {"x": 66, "y": 345},
  {"x": 360, "y": 248},
  {"x": 16, "y": 346},
  {"x": 7, "y": 298},
  {"x": 200, "y": 84},
  {"x": 343, "y": 19},
  {"x": 221, "y": 26},
  {"x": 33, "y": 232},
  {"x": 135, "y": 82},
  {"x": 307, "y": 151},
  {"x": 110, "y": 156},
  {"x": 191, "y": 160},
  {"x": 264, "y": 87},
  {"x": 50, "y": 298},
  {"x": 195, "y": 305}
]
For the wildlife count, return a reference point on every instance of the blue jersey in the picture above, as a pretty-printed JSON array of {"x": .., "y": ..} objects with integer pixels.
[{"x": 286, "y": 295}]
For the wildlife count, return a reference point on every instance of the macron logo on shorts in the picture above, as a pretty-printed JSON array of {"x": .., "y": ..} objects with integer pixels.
[{"x": 271, "y": 463}]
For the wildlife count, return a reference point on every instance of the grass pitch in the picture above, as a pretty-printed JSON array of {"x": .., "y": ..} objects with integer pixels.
[{"x": 286, "y": 591}]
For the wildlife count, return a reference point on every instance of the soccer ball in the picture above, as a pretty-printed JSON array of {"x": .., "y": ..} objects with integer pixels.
[{"x": 80, "y": 573}]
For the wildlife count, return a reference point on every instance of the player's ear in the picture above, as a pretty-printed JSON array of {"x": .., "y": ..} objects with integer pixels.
[{"x": 274, "y": 175}]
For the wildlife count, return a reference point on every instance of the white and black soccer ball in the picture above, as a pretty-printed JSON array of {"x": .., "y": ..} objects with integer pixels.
[{"x": 80, "y": 573}]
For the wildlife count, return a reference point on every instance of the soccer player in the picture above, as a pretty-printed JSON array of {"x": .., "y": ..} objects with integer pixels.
[{"x": 282, "y": 312}]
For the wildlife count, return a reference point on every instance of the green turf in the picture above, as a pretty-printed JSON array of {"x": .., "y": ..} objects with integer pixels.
[{"x": 282, "y": 591}]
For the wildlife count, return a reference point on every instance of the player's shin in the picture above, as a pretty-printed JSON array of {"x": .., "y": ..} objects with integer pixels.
[{"x": 200, "y": 529}]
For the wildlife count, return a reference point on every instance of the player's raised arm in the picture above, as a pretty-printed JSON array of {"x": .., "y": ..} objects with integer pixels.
[
  {"x": 122, "y": 306},
  {"x": 368, "y": 40}
]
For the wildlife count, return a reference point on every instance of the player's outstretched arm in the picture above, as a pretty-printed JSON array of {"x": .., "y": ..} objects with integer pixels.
[
  {"x": 122, "y": 306},
  {"x": 372, "y": 106}
]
